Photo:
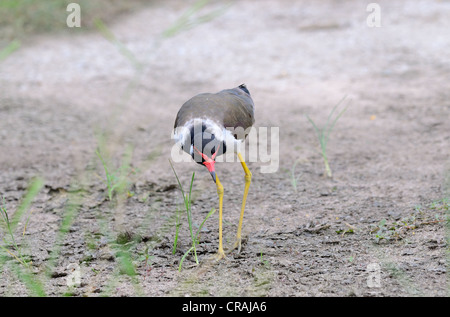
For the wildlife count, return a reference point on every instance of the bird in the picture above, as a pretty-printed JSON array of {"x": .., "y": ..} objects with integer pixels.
[{"x": 210, "y": 124}]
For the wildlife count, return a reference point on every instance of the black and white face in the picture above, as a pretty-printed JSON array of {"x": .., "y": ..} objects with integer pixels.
[
  {"x": 206, "y": 142},
  {"x": 208, "y": 161},
  {"x": 203, "y": 148}
]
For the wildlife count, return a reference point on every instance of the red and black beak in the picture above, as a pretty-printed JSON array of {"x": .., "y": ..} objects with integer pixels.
[
  {"x": 211, "y": 169},
  {"x": 209, "y": 162}
]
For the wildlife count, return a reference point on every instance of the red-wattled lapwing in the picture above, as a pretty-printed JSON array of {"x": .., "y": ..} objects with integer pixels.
[{"x": 208, "y": 125}]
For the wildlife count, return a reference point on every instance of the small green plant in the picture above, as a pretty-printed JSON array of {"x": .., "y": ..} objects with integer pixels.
[
  {"x": 381, "y": 231},
  {"x": 116, "y": 182},
  {"x": 177, "y": 229},
  {"x": 148, "y": 259},
  {"x": 196, "y": 240},
  {"x": 11, "y": 224},
  {"x": 345, "y": 231},
  {"x": 110, "y": 178},
  {"x": 187, "y": 205},
  {"x": 294, "y": 178},
  {"x": 7, "y": 225},
  {"x": 440, "y": 205},
  {"x": 397, "y": 230},
  {"x": 24, "y": 270},
  {"x": 323, "y": 134},
  {"x": 263, "y": 261}
]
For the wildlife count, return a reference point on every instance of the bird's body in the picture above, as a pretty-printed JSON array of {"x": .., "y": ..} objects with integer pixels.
[
  {"x": 230, "y": 108},
  {"x": 215, "y": 117},
  {"x": 208, "y": 125}
]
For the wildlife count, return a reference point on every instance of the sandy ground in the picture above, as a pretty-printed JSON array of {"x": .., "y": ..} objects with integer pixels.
[{"x": 63, "y": 95}]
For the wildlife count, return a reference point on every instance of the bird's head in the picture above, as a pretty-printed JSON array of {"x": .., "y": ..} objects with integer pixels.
[{"x": 209, "y": 162}]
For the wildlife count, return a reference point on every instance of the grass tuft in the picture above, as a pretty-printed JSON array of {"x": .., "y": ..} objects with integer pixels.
[
  {"x": 435, "y": 213},
  {"x": 22, "y": 19},
  {"x": 323, "y": 134},
  {"x": 9, "y": 224},
  {"x": 295, "y": 178},
  {"x": 187, "y": 205},
  {"x": 116, "y": 182},
  {"x": 190, "y": 19}
]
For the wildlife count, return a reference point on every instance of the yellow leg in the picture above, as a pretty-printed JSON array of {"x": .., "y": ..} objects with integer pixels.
[
  {"x": 220, "y": 253},
  {"x": 248, "y": 179}
]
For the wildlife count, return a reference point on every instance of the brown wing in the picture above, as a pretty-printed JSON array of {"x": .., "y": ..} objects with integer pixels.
[
  {"x": 230, "y": 108},
  {"x": 240, "y": 108}
]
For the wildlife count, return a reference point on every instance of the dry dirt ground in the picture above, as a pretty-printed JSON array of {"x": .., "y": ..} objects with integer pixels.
[{"x": 376, "y": 228}]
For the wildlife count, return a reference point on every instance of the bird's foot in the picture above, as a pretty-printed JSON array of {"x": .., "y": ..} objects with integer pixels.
[
  {"x": 219, "y": 256},
  {"x": 237, "y": 245}
]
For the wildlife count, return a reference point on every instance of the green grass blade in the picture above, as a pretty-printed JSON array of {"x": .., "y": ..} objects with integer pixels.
[
  {"x": 5, "y": 219},
  {"x": 330, "y": 115},
  {"x": 183, "y": 257},
  {"x": 324, "y": 133},
  {"x": 294, "y": 179},
  {"x": 108, "y": 175},
  {"x": 117, "y": 184},
  {"x": 316, "y": 129},
  {"x": 334, "y": 122},
  {"x": 8, "y": 50},
  {"x": 123, "y": 50},
  {"x": 182, "y": 22},
  {"x": 70, "y": 212},
  {"x": 328, "y": 131},
  {"x": 32, "y": 283},
  {"x": 189, "y": 212},
  {"x": 177, "y": 229},
  {"x": 178, "y": 180},
  {"x": 31, "y": 193},
  {"x": 13, "y": 255},
  {"x": 188, "y": 199},
  {"x": 187, "y": 205},
  {"x": 186, "y": 21},
  {"x": 203, "y": 222}
]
